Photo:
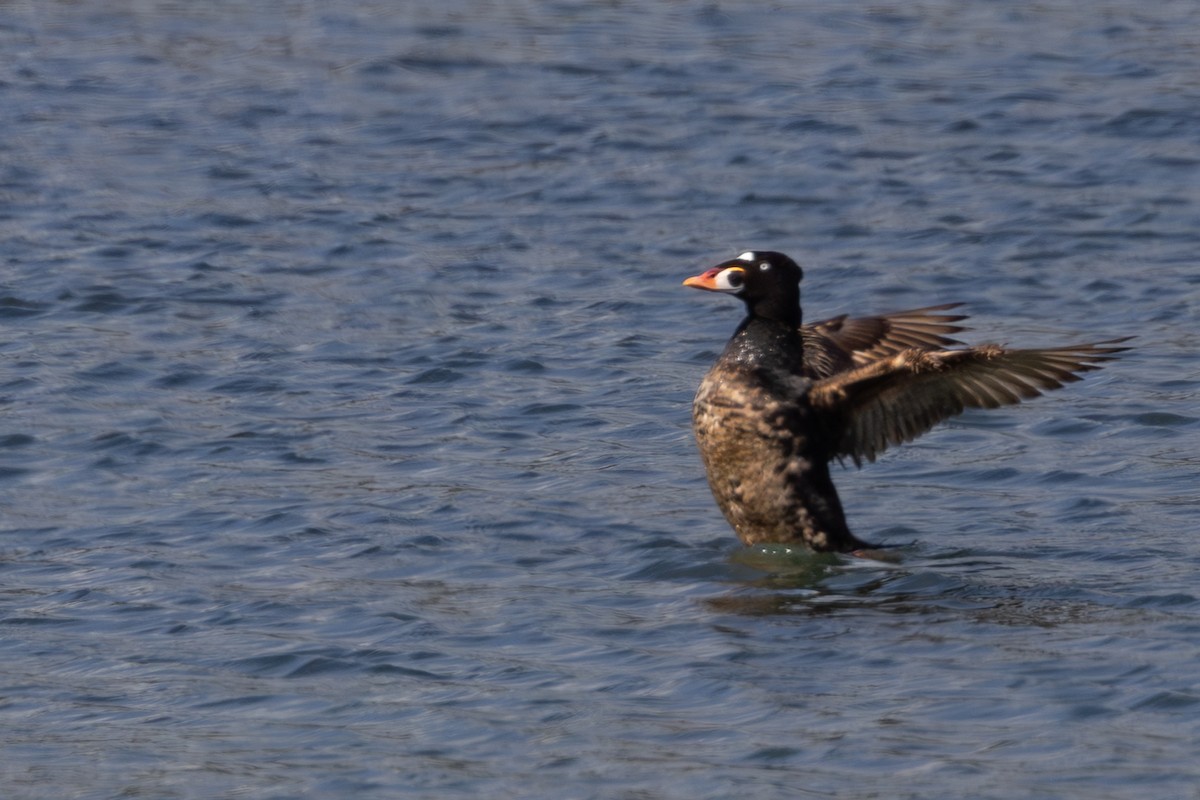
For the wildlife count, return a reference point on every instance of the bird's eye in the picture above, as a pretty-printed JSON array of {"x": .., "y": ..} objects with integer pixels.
[{"x": 763, "y": 267}]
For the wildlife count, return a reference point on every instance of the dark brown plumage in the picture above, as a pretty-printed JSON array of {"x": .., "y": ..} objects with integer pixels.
[
  {"x": 842, "y": 343},
  {"x": 785, "y": 399}
]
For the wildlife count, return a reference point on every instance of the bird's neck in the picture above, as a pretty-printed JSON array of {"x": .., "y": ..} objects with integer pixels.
[
  {"x": 782, "y": 307},
  {"x": 763, "y": 342}
]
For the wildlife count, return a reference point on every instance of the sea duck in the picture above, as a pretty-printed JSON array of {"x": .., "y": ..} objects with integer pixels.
[{"x": 784, "y": 399}]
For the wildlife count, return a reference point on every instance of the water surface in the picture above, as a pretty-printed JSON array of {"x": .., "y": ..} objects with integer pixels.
[{"x": 345, "y": 444}]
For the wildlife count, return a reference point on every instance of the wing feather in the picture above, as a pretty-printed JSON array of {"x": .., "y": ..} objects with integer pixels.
[
  {"x": 897, "y": 399},
  {"x": 857, "y": 341}
]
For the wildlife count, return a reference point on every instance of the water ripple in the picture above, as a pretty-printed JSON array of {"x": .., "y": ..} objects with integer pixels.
[{"x": 346, "y": 443}]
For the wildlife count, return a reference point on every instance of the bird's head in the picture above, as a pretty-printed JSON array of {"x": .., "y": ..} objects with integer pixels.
[{"x": 766, "y": 281}]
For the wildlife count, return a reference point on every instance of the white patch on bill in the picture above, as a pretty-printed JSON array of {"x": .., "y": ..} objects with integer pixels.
[{"x": 731, "y": 280}]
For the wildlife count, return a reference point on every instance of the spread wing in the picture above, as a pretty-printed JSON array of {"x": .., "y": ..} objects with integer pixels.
[
  {"x": 898, "y": 399},
  {"x": 868, "y": 339}
]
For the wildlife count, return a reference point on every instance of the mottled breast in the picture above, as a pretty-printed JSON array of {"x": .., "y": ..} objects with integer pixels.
[{"x": 749, "y": 430}]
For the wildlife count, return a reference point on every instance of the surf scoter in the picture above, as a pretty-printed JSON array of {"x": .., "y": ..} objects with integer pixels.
[{"x": 784, "y": 399}]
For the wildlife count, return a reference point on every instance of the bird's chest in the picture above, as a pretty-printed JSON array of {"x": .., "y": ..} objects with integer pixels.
[{"x": 742, "y": 420}]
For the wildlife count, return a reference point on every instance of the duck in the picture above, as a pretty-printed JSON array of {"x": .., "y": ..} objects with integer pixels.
[{"x": 785, "y": 399}]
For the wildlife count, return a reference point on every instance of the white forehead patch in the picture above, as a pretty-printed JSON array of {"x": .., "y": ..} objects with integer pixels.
[{"x": 747, "y": 256}]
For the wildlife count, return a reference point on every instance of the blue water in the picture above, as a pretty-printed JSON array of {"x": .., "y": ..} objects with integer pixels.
[{"x": 345, "y": 442}]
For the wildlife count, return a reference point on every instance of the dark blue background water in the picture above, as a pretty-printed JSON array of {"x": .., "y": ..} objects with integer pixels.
[{"x": 346, "y": 382}]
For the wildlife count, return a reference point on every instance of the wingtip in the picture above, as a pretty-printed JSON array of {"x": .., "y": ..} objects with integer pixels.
[{"x": 1105, "y": 350}]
